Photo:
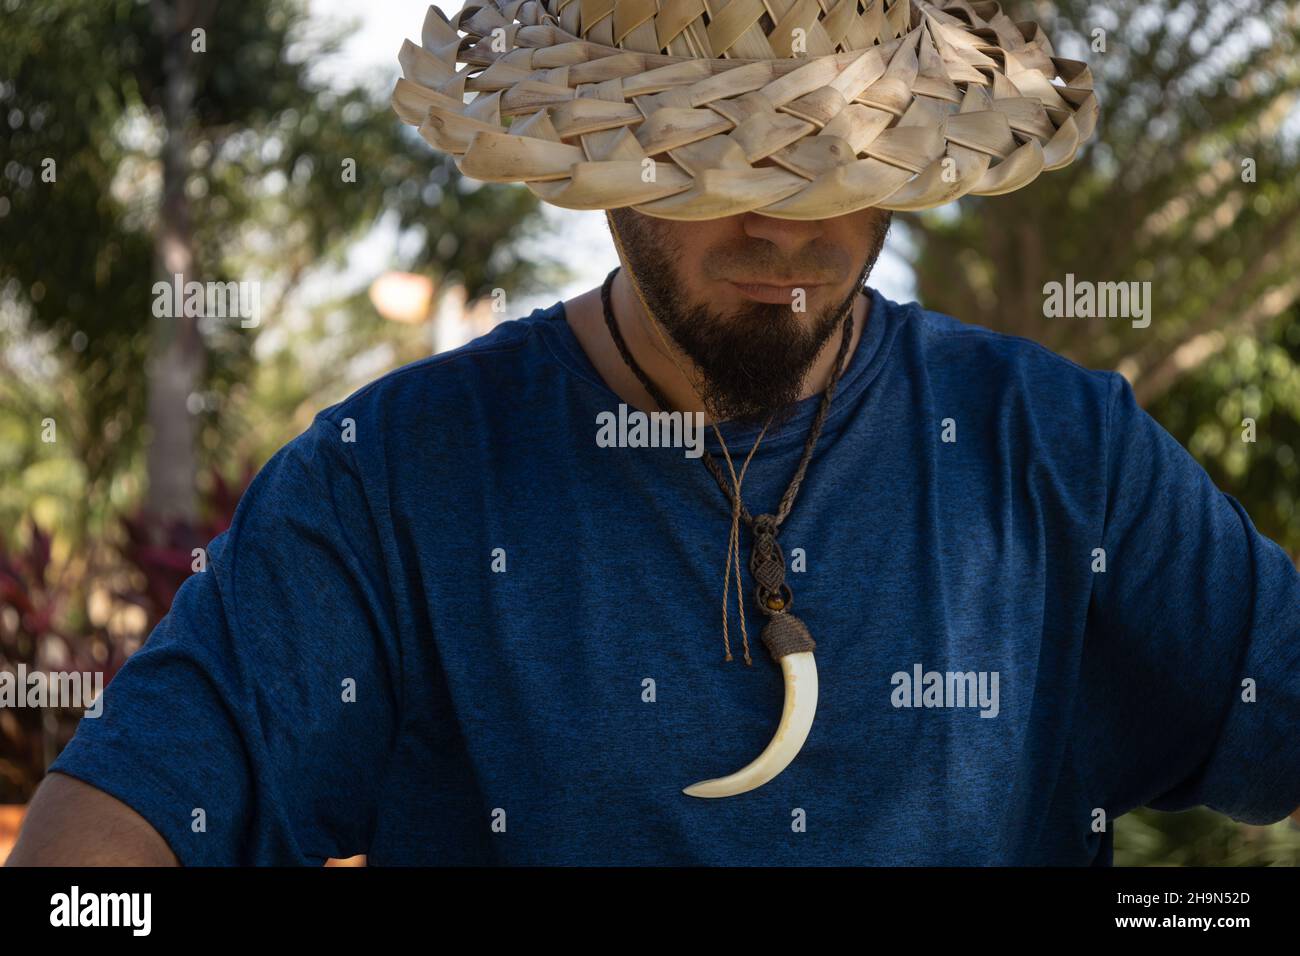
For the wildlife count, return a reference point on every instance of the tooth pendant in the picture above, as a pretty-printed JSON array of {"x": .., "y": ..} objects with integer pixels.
[{"x": 790, "y": 644}]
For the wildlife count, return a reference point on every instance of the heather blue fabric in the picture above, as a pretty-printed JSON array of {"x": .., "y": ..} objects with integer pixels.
[{"x": 522, "y": 697}]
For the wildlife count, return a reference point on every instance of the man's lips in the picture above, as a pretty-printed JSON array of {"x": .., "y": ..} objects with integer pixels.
[{"x": 775, "y": 293}]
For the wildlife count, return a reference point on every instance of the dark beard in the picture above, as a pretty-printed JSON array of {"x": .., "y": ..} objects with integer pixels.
[{"x": 755, "y": 360}]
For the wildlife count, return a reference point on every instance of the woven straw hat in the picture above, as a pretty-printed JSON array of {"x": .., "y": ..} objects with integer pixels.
[{"x": 695, "y": 109}]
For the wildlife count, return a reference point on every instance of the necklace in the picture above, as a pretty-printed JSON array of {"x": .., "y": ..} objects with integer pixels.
[
  {"x": 784, "y": 633},
  {"x": 785, "y": 636}
]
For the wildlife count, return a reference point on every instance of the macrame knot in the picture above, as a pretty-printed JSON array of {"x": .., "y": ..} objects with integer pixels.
[{"x": 767, "y": 565}]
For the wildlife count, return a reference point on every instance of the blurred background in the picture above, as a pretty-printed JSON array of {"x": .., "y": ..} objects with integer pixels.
[{"x": 272, "y": 156}]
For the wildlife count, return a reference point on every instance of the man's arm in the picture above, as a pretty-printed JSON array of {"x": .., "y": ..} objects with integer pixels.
[
  {"x": 70, "y": 823},
  {"x": 255, "y": 724},
  {"x": 1190, "y": 686}
]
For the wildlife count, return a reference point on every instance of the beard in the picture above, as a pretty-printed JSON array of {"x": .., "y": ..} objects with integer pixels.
[{"x": 753, "y": 360}]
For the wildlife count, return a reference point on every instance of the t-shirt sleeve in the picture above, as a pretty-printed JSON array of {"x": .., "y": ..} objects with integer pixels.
[
  {"x": 255, "y": 723},
  {"x": 1190, "y": 671}
]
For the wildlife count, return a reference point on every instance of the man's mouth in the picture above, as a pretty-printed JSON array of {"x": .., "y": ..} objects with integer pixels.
[{"x": 773, "y": 293}]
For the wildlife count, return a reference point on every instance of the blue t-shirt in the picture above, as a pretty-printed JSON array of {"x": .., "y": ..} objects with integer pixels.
[{"x": 447, "y": 626}]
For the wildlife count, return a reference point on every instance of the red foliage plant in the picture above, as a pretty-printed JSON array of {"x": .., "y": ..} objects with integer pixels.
[
  {"x": 35, "y": 605},
  {"x": 38, "y": 605},
  {"x": 164, "y": 551}
]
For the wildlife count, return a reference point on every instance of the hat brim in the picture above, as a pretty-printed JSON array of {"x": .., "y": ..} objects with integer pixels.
[{"x": 948, "y": 103}]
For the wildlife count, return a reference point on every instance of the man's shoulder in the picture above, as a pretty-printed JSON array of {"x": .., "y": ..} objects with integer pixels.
[
  {"x": 954, "y": 338},
  {"x": 497, "y": 361},
  {"x": 984, "y": 364}
]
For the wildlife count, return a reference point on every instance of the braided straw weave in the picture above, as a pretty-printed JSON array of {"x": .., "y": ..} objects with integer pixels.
[{"x": 695, "y": 109}]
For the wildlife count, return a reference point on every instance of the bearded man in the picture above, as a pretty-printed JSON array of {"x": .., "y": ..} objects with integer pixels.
[{"x": 999, "y": 606}]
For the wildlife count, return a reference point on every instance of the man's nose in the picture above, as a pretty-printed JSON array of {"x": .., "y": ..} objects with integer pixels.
[{"x": 791, "y": 236}]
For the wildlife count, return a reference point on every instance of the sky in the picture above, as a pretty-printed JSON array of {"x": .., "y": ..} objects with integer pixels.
[{"x": 370, "y": 54}]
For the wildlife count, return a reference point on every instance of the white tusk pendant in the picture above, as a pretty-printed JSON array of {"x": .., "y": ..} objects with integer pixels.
[{"x": 785, "y": 633}]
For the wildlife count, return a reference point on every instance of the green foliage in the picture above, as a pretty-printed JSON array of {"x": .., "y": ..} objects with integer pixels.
[
  {"x": 1257, "y": 380},
  {"x": 81, "y": 84},
  {"x": 70, "y": 257},
  {"x": 1202, "y": 837},
  {"x": 1189, "y": 91}
]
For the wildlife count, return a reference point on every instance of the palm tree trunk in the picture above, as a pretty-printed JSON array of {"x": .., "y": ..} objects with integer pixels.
[{"x": 177, "y": 359}]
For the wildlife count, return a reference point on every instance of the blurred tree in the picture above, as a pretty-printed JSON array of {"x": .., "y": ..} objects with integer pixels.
[
  {"x": 1189, "y": 183},
  {"x": 1239, "y": 415},
  {"x": 175, "y": 367},
  {"x": 220, "y": 156}
]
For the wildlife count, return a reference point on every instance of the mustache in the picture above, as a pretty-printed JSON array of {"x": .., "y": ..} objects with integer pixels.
[{"x": 815, "y": 265}]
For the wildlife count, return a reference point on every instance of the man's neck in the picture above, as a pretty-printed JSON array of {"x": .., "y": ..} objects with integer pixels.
[{"x": 586, "y": 317}]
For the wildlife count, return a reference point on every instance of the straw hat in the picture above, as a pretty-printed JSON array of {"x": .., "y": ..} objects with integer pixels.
[{"x": 774, "y": 106}]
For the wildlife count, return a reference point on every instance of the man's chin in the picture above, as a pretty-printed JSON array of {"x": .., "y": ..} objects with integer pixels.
[
  {"x": 775, "y": 418},
  {"x": 754, "y": 364},
  {"x": 752, "y": 413}
]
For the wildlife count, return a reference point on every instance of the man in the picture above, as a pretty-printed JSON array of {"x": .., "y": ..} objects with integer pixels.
[{"x": 472, "y": 615}]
